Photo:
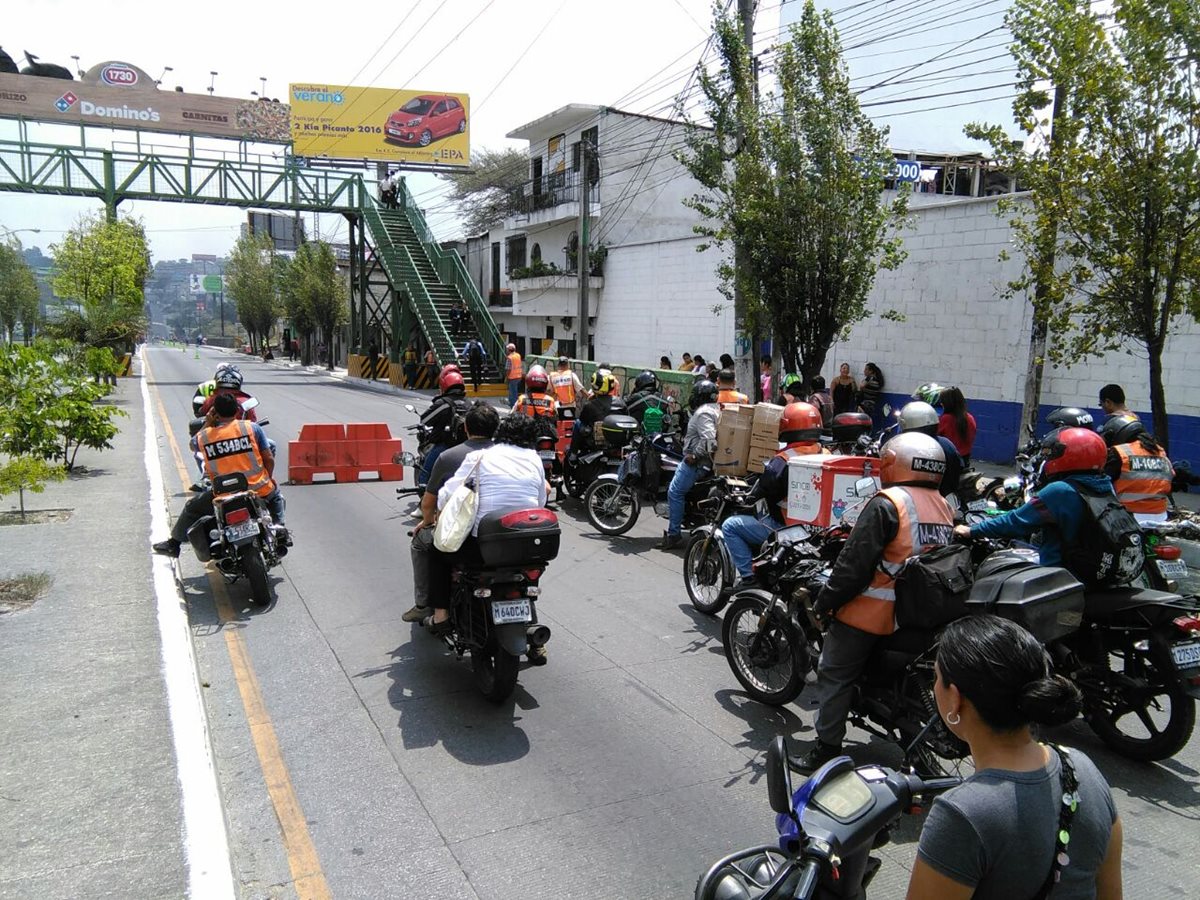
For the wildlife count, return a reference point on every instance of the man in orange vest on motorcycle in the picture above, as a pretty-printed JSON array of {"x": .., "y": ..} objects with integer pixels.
[
  {"x": 728, "y": 392},
  {"x": 800, "y": 430},
  {"x": 229, "y": 444},
  {"x": 908, "y": 516},
  {"x": 568, "y": 389},
  {"x": 1139, "y": 469},
  {"x": 535, "y": 402},
  {"x": 514, "y": 371}
]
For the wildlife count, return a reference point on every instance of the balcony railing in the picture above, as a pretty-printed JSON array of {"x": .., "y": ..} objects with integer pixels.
[{"x": 544, "y": 193}]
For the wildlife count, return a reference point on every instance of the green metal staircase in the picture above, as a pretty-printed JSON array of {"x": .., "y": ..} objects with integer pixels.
[{"x": 430, "y": 279}]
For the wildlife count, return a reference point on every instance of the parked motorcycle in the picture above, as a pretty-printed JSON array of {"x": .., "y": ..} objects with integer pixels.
[
  {"x": 493, "y": 604},
  {"x": 240, "y": 536},
  {"x": 827, "y": 830},
  {"x": 598, "y": 454},
  {"x": 708, "y": 571},
  {"x": 546, "y": 449}
]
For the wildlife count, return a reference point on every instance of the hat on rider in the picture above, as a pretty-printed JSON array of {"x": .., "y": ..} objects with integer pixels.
[
  {"x": 647, "y": 381},
  {"x": 536, "y": 379},
  {"x": 912, "y": 459},
  {"x": 1122, "y": 430},
  {"x": 230, "y": 378},
  {"x": 450, "y": 379},
  {"x": 1071, "y": 451},
  {"x": 919, "y": 416},
  {"x": 800, "y": 423},
  {"x": 703, "y": 392},
  {"x": 563, "y": 362}
]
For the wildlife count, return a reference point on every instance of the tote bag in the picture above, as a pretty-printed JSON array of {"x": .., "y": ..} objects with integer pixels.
[{"x": 457, "y": 516}]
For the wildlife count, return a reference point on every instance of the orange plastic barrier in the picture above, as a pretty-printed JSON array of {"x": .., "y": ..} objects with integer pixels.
[{"x": 344, "y": 453}]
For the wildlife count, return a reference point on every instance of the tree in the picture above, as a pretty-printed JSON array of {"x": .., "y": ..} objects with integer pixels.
[
  {"x": 315, "y": 295},
  {"x": 18, "y": 293},
  {"x": 103, "y": 265},
  {"x": 1112, "y": 227},
  {"x": 27, "y": 473},
  {"x": 796, "y": 184},
  {"x": 250, "y": 279},
  {"x": 482, "y": 192}
]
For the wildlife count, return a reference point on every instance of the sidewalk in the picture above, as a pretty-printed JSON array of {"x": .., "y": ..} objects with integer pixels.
[{"x": 89, "y": 794}]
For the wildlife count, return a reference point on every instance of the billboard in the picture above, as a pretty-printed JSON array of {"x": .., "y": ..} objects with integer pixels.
[
  {"x": 340, "y": 122},
  {"x": 207, "y": 284},
  {"x": 120, "y": 95}
]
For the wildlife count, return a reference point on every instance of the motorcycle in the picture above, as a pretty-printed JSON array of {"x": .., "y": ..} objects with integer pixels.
[
  {"x": 827, "y": 830},
  {"x": 1016, "y": 490},
  {"x": 598, "y": 454},
  {"x": 424, "y": 443},
  {"x": 493, "y": 604},
  {"x": 708, "y": 572},
  {"x": 240, "y": 536},
  {"x": 248, "y": 405}
]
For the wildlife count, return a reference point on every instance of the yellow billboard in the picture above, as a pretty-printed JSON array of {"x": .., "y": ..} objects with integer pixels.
[{"x": 340, "y": 122}]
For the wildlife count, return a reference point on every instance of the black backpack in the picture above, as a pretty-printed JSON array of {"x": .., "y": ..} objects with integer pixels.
[
  {"x": 1108, "y": 550},
  {"x": 475, "y": 352},
  {"x": 932, "y": 588}
]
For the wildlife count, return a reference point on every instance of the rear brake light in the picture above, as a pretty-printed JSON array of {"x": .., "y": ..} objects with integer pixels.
[
  {"x": 532, "y": 574},
  {"x": 236, "y": 516},
  {"x": 1188, "y": 623},
  {"x": 1167, "y": 551},
  {"x": 512, "y": 593}
]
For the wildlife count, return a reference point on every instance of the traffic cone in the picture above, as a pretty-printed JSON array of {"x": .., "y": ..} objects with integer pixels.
[{"x": 196, "y": 355}]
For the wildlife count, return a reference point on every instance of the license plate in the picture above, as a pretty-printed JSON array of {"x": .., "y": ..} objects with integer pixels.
[
  {"x": 978, "y": 505},
  {"x": 546, "y": 454},
  {"x": 1186, "y": 655},
  {"x": 506, "y": 612},
  {"x": 1172, "y": 568},
  {"x": 243, "y": 530}
]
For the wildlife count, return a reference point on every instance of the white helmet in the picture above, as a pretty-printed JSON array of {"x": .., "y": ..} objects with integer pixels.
[
  {"x": 912, "y": 458},
  {"x": 919, "y": 416}
]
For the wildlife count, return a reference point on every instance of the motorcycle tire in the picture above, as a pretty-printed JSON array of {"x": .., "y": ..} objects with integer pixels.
[
  {"x": 1165, "y": 730},
  {"x": 707, "y": 578},
  {"x": 604, "y": 492},
  {"x": 495, "y": 671},
  {"x": 764, "y": 655},
  {"x": 254, "y": 567}
]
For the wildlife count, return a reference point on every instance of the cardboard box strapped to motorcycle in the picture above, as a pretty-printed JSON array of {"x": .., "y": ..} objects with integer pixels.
[
  {"x": 821, "y": 487},
  {"x": 733, "y": 439}
]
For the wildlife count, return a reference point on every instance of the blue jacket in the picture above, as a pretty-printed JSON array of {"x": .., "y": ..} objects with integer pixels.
[{"x": 1057, "y": 511}]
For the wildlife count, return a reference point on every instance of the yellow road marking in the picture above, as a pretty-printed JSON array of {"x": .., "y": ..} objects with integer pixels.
[{"x": 308, "y": 880}]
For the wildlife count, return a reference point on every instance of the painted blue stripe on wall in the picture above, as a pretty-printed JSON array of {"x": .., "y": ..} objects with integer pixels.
[{"x": 998, "y": 424}]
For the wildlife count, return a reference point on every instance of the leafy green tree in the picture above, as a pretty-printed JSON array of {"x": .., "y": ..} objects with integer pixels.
[
  {"x": 1112, "y": 227},
  {"x": 27, "y": 473},
  {"x": 794, "y": 185},
  {"x": 315, "y": 294},
  {"x": 18, "y": 293},
  {"x": 482, "y": 192},
  {"x": 250, "y": 279},
  {"x": 103, "y": 266}
]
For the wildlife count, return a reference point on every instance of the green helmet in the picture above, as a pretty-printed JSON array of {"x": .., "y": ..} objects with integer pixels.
[
  {"x": 790, "y": 379},
  {"x": 930, "y": 392}
]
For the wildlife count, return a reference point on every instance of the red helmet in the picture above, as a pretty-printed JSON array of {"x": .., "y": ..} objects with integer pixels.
[
  {"x": 800, "y": 422},
  {"x": 450, "y": 367},
  {"x": 450, "y": 378},
  {"x": 536, "y": 379},
  {"x": 1070, "y": 450}
]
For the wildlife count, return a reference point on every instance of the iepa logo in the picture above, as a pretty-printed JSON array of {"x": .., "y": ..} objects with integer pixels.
[{"x": 65, "y": 102}]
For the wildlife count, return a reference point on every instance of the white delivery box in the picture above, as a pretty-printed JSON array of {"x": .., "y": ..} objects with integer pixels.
[{"x": 821, "y": 487}]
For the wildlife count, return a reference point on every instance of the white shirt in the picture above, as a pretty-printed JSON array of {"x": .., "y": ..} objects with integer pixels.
[{"x": 509, "y": 478}]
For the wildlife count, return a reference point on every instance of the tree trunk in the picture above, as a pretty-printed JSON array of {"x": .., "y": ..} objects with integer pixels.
[
  {"x": 1158, "y": 396},
  {"x": 21, "y": 494}
]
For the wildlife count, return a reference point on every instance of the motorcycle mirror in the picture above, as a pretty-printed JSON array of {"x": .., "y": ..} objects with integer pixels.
[
  {"x": 865, "y": 487},
  {"x": 410, "y": 407},
  {"x": 404, "y": 459},
  {"x": 249, "y": 403},
  {"x": 779, "y": 778},
  {"x": 262, "y": 423},
  {"x": 887, "y": 410}
]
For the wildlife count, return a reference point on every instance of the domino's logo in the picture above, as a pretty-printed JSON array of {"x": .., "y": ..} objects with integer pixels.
[{"x": 65, "y": 102}]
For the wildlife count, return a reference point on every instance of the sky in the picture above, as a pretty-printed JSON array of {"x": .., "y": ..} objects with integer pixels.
[{"x": 517, "y": 59}]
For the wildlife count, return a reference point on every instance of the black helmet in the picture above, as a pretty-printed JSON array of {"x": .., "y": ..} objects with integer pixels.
[
  {"x": 1070, "y": 417},
  {"x": 703, "y": 392},
  {"x": 647, "y": 381},
  {"x": 1122, "y": 430}
]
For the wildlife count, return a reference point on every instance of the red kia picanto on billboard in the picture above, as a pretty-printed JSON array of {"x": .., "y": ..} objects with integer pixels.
[{"x": 425, "y": 119}]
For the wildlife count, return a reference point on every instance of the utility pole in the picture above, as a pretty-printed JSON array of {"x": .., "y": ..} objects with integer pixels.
[
  {"x": 581, "y": 257},
  {"x": 745, "y": 346}
]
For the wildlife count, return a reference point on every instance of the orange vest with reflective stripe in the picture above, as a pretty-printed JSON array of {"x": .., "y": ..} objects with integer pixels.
[
  {"x": 925, "y": 521},
  {"x": 731, "y": 395},
  {"x": 1145, "y": 480},
  {"x": 536, "y": 405},
  {"x": 564, "y": 387},
  {"x": 232, "y": 448},
  {"x": 517, "y": 370}
]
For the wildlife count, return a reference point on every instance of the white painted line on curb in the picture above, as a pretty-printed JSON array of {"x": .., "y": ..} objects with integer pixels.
[{"x": 206, "y": 846}]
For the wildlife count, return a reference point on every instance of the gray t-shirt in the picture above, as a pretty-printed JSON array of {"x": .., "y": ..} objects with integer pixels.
[
  {"x": 996, "y": 831},
  {"x": 449, "y": 461}
]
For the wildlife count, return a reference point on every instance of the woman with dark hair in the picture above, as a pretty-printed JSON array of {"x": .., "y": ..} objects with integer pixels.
[
  {"x": 845, "y": 390},
  {"x": 664, "y": 362},
  {"x": 956, "y": 424},
  {"x": 870, "y": 391},
  {"x": 1035, "y": 820},
  {"x": 726, "y": 361}
]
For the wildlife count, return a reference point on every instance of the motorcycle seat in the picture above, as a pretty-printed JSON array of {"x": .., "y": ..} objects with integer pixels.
[
  {"x": 908, "y": 642},
  {"x": 1102, "y": 604}
]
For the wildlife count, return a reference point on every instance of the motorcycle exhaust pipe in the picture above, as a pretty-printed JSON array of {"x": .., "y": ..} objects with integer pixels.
[{"x": 538, "y": 635}]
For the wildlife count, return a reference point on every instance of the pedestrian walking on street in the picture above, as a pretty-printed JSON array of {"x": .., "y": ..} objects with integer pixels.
[
  {"x": 514, "y": 373},
  {"x": 410, "y": 366}
]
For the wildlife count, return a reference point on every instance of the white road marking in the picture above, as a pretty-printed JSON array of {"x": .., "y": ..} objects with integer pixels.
[{"x": 206, "y": 846}]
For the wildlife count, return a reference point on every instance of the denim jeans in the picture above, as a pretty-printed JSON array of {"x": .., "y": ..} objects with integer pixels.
[
  {"x": 430, "y": 458},
  {"x": 685, "y": 479},
  {"x": 743, "y": 536},
  {"x": 514, "y": 391}
]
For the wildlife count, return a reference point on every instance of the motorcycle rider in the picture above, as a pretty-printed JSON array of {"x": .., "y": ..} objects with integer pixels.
[
  {"x": 821, "y": 399},
  {"x": 1139, "y": 469},
  {"x": 907, "y": 516},
  {"x": 229, "y": 445},
  {"x": 919, "y": 416},
  {"x": 228, "y": 380},
  {"x": 603, "y": 403},
  {"x": 1116, "y": 413},
  {"x": 480, "y": 422},
  {"x": 727, "y": 391},
  {"x": 567, "y": 386},
  {"x": 535, "y": 402},
  {"x": 206, "y": 389},
  {"x": 448, "y": 408},
  {"x": 646, "y": 397},
  {"x": 800, "y": 431},
  {"x": 1074, "y": 458},
  {"x": 791, "y": 390},
  {"x": 698, "y": 445}
]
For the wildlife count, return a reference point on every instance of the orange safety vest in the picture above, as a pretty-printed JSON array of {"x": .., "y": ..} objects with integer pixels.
[
  {"x": 517, "y": 371},
  {"x": 925, "y": 521},
  {"x": 536, "y": 405},
  {"x": 564, "y": 387},
  {"x": 1145, "y": 480},
  {"x": 232, "y": 448},
  {"x": 731, "y": 395}
]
